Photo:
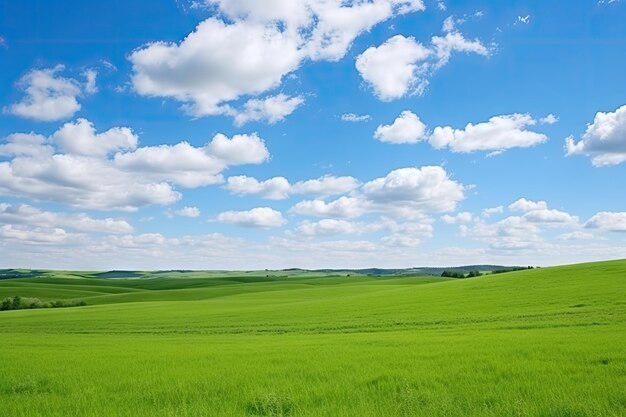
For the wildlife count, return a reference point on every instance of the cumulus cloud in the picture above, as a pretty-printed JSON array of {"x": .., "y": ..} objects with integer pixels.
[
  {"x": 550, "y": 119},
  {"x": 220, "y": 62},
  {"x": 445, "y": 46},
  {"x": 23, "y": 214},
  {"x": 187, "y": 211},
  {"x": 261, "y": 217},
  {"x": 279, "y": 188},
  {"x": 353, "y": 117},
  {"x": 271, "y": 109},
  {"x": 343, "y": 207},
  {"x": 462, "y": 217},
  {"x": 403, "y": 234},
  {"x": 80, "y": 138},
  {"x": 608, "y": 221},
  {"x": 497, "y": 134},
  {"x": 427, "y": 189},
  {"x": 402, "y": 66},
  {"x": 524, "y": 231},
  {"x": 84, "y": 175},
  {"x": 395, "y": 68},
  {"x": 406, "y": 128},
  {"x": 239, "y": 150},
  {"x": 26, "y": 144},
  {"x": 326, "y": 185},
  {"x": 604, "y": 140},
  {"x": 327, "y": 227},
  {"x": 510, "y": 234},
  {"x": 276, "y": 188},
  {"x": 406, "y": 192},
  {"x": 34, "y": 236},
  {"x": 550, "y": 216},
  {"x": 538, "y": 212},
  {"x": 525, "y": 205},
  {"x": 490, "y": 211},
  {"x": 48, "y": 96}
]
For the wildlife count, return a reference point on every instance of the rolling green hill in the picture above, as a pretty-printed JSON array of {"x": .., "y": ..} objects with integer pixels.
[{"x": 546, "y": 342}]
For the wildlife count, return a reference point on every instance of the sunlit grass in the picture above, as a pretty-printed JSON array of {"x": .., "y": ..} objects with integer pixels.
[{"x": 548, "y": 342}]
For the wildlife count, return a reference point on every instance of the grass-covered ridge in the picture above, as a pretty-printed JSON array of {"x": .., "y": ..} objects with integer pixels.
[{"x": 544, "y": 342}]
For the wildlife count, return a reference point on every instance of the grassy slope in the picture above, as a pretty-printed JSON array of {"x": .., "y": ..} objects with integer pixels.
[{"x": 546, "y": 342}]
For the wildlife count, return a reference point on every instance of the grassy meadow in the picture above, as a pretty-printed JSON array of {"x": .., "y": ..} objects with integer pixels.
[{"x": 547, "y": 342}]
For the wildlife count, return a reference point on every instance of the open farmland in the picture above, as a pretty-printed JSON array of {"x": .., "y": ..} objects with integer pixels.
[{"x": 546, "y": 342}]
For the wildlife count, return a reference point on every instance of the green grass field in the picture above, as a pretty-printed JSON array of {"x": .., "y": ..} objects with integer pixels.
[{"x": 546, "y": 342}]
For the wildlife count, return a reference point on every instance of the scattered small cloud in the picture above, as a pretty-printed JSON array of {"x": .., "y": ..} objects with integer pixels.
[
  {"x": 187, "y": 211},
  {"x": 260, "y": 217},
  {"x": 550, "y": 119},
  {"x": 353, "y": 117},
  {"x": 406, "y": 128},
  {"x": 270, "y": 109},
  {"x": 488, "y": 212}
]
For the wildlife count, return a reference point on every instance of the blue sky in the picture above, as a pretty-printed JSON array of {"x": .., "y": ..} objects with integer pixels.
[{"x": 230, "y": 134}]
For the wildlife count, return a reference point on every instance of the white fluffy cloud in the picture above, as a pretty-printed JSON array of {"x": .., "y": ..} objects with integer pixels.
[
  {"x": 490, "y": 211},
  {"x": 604, "y": 140},
  {"x": 452, "y": 42},
  {"x": 50, "y": 97},
  {"x": 406, "y": 128},
  {"x": 400, "y": 234},
  {"x": 326, "y": 227},
  {"x": 510, "y": 234},
  {"x": 462, "y": 217},
  {"x": 80, "y": 138},
  {"x": 279, "y": 188},
  {"x": 85, "y": 176},
  {"x": 261, "y": 217},
  {"x": 538, "y": 212},
  {"x": 34, "y": 236},
  {"x": 427, "y": 189},
  {"x": 406, "y": 192},
  {"x": 608, "y": 221},
  {"x": 522, "y": 232},
  {"x": 343, "y": 207},
  {"x": 187, "y": 211},
  {"x": 271, "y": 109},
  {"x": 395, "y": 68},
  {"x": 27, "y": 215},
  {"x": 216, "y": 63},
  {"x": 550, "y": 119},
  {"x": 220, "y": 62},
  {"x": 402, "y": 66},
  {"x": 497, "y": 134},
  {"x": 239, "y": 150},
  {"x": 276, "y": 188},
  {"x": 326, "y": 185},
  {"x": 26, "y": 144},
  {"x": 525, "y": 205}
]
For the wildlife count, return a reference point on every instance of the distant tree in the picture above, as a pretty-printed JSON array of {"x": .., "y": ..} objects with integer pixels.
[
  {"x": 452, "y": 274},
  {"x": 17, "y": 302}
]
